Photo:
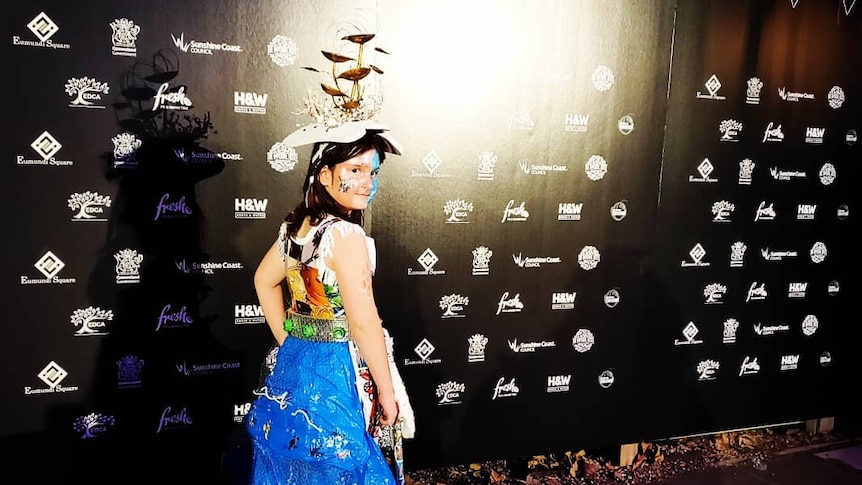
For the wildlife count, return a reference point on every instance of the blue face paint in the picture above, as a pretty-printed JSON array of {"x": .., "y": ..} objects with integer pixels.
[{"x": 375, "y": 167}]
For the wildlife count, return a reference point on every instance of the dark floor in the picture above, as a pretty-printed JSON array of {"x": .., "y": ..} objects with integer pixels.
[{"x": 835, "y": 464}]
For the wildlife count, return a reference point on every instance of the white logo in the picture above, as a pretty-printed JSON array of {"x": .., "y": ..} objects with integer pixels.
[
  {"x": 689, "y": 332},
  {"x": 252, "y": 103},
  {"x": 452, "y": 305},
  {"x": 123, "y": 38},
  {"x": 52, "y": 375},
  {"x": 487, "y": 161},
  {"x": 714, "y": 293},
  {"x": 476, "y": 348},
  {"x": 91, "y": 321},
  {"x": 128, "y": 266},
  {"x": 626, "y": 124},
  {"x": 171, "y": 98},
  {"x": 89, "y": 206},
  {"x": 450, "y": 392},
  {"x": 705, "y": 169},
  {"x": 576, "y": 122},
  {"x": 481, "y": 261},
  {"x": 809, "y": 325},
  {"x": 770, "y": 255},
  {"x": 196, "y": 47},
  {"x": 583, "y": 340},
  {"x": 749, "y": 366},
  {"x": 568, "y": 211},
  {"x": 712, "y": 86},
  {"x": 240, "y": 411},
  {"x": 248, "y": 314},
  {"x": 50, "y": 265},
  {"x": 534, "y": 262},
  {"x": 503, "y": 389},
  {"x": 43, "y": 27},
  {"x": 796, "y": 290},
  {"x": 729, "y": 130},
  {"x": 825, "y": 359},
  {"x": 789, "y": 362},
  {"x": 851, "y": 137},
  {"x": 249, "y": 208},
  {"x": 606, "y": 379},
  {"x": 818, "y": 252},
  {"x": 589, "y": 258},
  {"x": 756, "y": 292},
  {"x": 596, "y": 167},
  {"x": 427, "y": 259},
  {"x": 766, "y": 330},
  {"x": 785, "y": 175},
  {"x": 457, "y": 211},
  {"x": 46, "y": 145},
  {"x": 721, "y": 211},
  {"x": 509, "y": 305},
  {"x": 847, "y": 9},
  {"x": 764, "y": 212},
  {"x": 282, "y": 50},
  {"x": 281, "y": 157},
  {"x": 730, "y": 327},
  {"x": 518, "y": 347},
  {"x": 563, "y": 301},
  {"x": 752, "y": 93},
  {"x": 737, "y": 254},
  {"x": 533, "y": 169},
  {"x": 514, "y": 214},
  {"x": 559, "y": 383},
  {"x": 814, "y": 135},
  {"x": 843, "y": 212},
  {"x": 836, "y": 96},
  {"x": 833, "y": 288},
  {"x": 612, "y": 298},
  {"x": 706, "y": 370},
  {"x": 773, "y": 133},
  {"x": 521, "y": 122},
  {"x": 827, "y": 174},
  {"x": 431, "y": 161},
  {"x": 423, "y": 349},
  {"x": 746, "y": 169},
  {"x": 603, "y": 78},
  {"x": 125, "y": 147},
  {"x": 619, "y": 210},
  {"x": 696, "y": 253},
  {"x": 86, "y": 92},
  {"x": 793, "y": 96}
]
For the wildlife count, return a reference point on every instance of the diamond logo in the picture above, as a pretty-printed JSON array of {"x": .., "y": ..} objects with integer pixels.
[
  {"x": 46, "y": 145},
  {"x": 428, "y": 259},
  {"x": 713, "y": 84},
  {"x": 52, "y": 374},
  {"x": 49, "y": 265},
  {"x": 431, "y": 161},
  {"x": 43, "y": 27},
  {"x": 424, "y": 349}
]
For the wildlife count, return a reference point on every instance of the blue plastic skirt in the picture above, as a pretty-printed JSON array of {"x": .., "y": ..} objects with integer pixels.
[{"x": 307, "y": 425}]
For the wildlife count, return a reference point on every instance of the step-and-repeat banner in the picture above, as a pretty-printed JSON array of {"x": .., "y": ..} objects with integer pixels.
[{"x": 612, "y": 221}]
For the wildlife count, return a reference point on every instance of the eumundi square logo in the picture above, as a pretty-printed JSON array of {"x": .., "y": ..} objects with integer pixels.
[
  {"x": 43, "y": 28},
  {"x": 52, "y": 375},
  {"x": 46, "y": 146},
  {"x": 50, "y": 266}
]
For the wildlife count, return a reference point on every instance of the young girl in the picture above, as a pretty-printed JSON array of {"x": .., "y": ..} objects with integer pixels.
[{"x": 310, "y": 421}]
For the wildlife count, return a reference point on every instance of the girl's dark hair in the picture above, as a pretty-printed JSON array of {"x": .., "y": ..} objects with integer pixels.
[{"x": 318, "y": 203}]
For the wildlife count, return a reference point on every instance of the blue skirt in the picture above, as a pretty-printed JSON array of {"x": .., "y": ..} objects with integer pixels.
[{"x": 307, "y": 425}]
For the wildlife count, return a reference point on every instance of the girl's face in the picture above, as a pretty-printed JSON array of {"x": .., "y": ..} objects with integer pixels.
[{"x": 351, "y": 182}]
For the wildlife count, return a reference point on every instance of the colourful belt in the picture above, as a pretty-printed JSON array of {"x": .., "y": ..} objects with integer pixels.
[{"x": 317, "y": 329}]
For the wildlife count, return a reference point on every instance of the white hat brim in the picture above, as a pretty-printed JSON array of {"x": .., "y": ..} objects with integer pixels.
[{"x": 344, "y": 133}]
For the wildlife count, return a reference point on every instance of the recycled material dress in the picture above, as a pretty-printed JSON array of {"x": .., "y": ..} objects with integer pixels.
[{"x": 310, "y": 421}]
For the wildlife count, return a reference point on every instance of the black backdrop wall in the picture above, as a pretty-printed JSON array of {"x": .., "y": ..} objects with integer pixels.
[{"x": 613, "y": 221}]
